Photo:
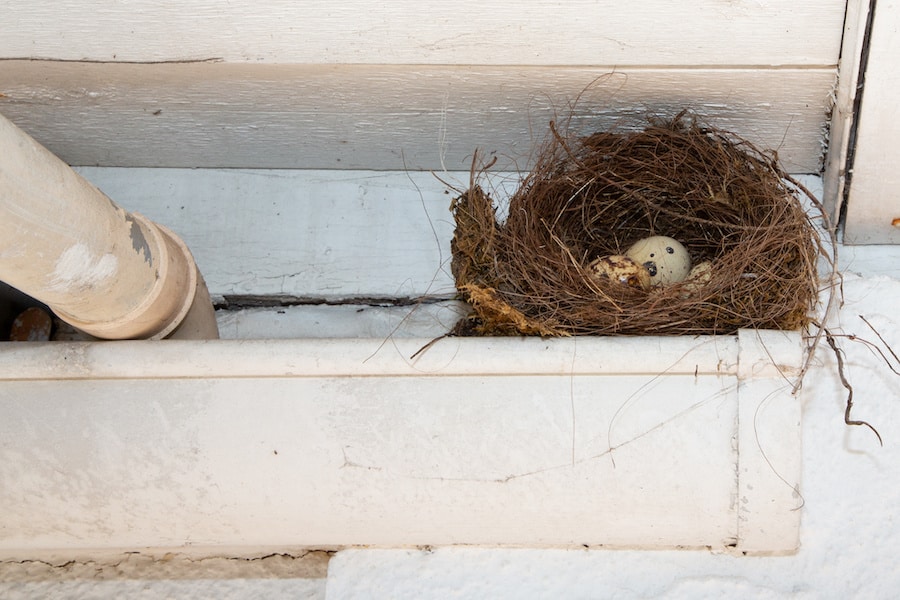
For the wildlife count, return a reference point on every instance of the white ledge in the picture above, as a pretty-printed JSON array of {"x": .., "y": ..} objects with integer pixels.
[
  {"x": 708, "y": 355},
  {"x": 639, "y": 442}
]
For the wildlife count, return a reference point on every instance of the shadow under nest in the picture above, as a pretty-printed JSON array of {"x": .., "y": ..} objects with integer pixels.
[{"x": 726, "y": 201}]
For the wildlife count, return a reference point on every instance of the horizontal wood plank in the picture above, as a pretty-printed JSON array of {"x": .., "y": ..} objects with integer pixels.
[
  {"x": 652, "y": 32},
  {"x": 427, "y": 320},
  {"x": 312, "y": 235},
  {"x": 319, "y": 235},
  {"x": 325, "y": 443},
  {"x": 392, "y": 461},
  {"x": 368, "y": 357},
  {"x": 386, "y": 117}
]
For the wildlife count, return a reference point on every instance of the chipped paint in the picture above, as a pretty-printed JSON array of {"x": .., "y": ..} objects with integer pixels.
[
  {"x": 79, "y": 269},
  {"x": 300, "y": 564},
  {"x": 138, "y": 241}
]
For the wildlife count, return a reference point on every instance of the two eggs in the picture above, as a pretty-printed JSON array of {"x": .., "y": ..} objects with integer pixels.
[{"x": 654, "y": 261}]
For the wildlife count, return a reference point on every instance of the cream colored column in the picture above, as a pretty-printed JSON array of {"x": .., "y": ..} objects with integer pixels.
[{"x": 110, "y": 273}]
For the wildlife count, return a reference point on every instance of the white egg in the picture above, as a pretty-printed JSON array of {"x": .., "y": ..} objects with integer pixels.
[
  {"x": 665, "y": 258},
  {"x": 622, "y": 270}
]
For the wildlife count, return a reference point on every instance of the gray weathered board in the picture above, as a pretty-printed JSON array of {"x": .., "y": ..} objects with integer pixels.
[
  {"x": 312, "y": 235},
  {"x": 388, "y": 116}
]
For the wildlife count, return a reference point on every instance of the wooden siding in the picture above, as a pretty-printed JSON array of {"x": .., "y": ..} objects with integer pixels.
[
  {"x": 578, "y": 32},
  {"x": 386, "y": 117}
]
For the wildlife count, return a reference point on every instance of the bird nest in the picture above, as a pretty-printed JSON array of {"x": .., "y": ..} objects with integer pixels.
[{"x": 731, "y": 206}]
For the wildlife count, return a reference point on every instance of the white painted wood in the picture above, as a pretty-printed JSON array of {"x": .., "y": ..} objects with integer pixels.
[
  {"x": 873, "y": 204},
  {"x": 625, "y": 442},
  {"x": 370, "y": 357},
  {"x": 329, "y": 235},
  {"x": 769, "y": 441},
  {"x": 310, "y": 234},
  {"x": 386, "y": 116},
  {"x": 654, "y": 32},
  {"x": 844, "y": 101}
]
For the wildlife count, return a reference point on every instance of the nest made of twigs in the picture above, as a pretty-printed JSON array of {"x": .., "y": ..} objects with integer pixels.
[{"x": 726, "y": 201}]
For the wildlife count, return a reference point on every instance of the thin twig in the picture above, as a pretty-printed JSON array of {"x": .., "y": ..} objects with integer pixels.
[
  {"x": 886, "y": 345},
  {"x": 839, "y": 354}
]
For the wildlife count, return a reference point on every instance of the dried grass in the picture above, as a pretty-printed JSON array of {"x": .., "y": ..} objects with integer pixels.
[{"x": 725, "y": 200}]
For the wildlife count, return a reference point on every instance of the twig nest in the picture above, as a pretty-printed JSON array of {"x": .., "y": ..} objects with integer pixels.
[
  {"x": 666, "y": 259},
  {"x": 621, "y": 269},
  {"x": 618, "y": 193}
]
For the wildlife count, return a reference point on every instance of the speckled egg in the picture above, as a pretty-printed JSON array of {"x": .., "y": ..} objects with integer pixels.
[
  {"x": 698, "y": 277},
  {"x": 665, "y": 258},
  {"x": 621, "y": 269}
]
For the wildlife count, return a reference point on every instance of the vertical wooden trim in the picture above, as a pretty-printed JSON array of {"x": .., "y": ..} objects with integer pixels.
[
  {"x": 872, "y": 197},
  {"x": 856, "y": 27}
]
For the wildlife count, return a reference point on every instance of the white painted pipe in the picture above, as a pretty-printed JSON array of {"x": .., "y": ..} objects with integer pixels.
[{"x": 110, "y": 273}]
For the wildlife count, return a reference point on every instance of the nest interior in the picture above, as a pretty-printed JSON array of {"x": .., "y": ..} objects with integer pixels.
[{"x": 725, "y": 200}]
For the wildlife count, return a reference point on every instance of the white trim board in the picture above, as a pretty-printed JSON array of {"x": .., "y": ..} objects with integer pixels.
[
  {"x": 387, "y": 117},
  {"x": 639, "y": 442},
  {"x": 653, "y": 32},
  {"x": 844, "y": 106},
  {"x": 873, "y": 202}
]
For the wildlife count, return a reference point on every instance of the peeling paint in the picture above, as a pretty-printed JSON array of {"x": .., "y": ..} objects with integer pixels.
[
  {"x": 79, "y": 269},
  {"x": 303, "y": 564},
  {"x": 138, "y": 241}
]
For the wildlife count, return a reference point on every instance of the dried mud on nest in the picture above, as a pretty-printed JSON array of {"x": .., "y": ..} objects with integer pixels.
[{"x": 726, "y": 201}]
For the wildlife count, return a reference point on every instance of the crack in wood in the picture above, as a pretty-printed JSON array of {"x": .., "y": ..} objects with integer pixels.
[
  {"x": 307, "y": 564},
  {"x": 240, "y": 301}
]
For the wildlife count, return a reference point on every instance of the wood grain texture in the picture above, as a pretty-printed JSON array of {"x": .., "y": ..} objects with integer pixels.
[
  {"x": 873, "y": 203},
  {"x": 385, "y": 117},
  {"x": 652, "y": 32}
]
